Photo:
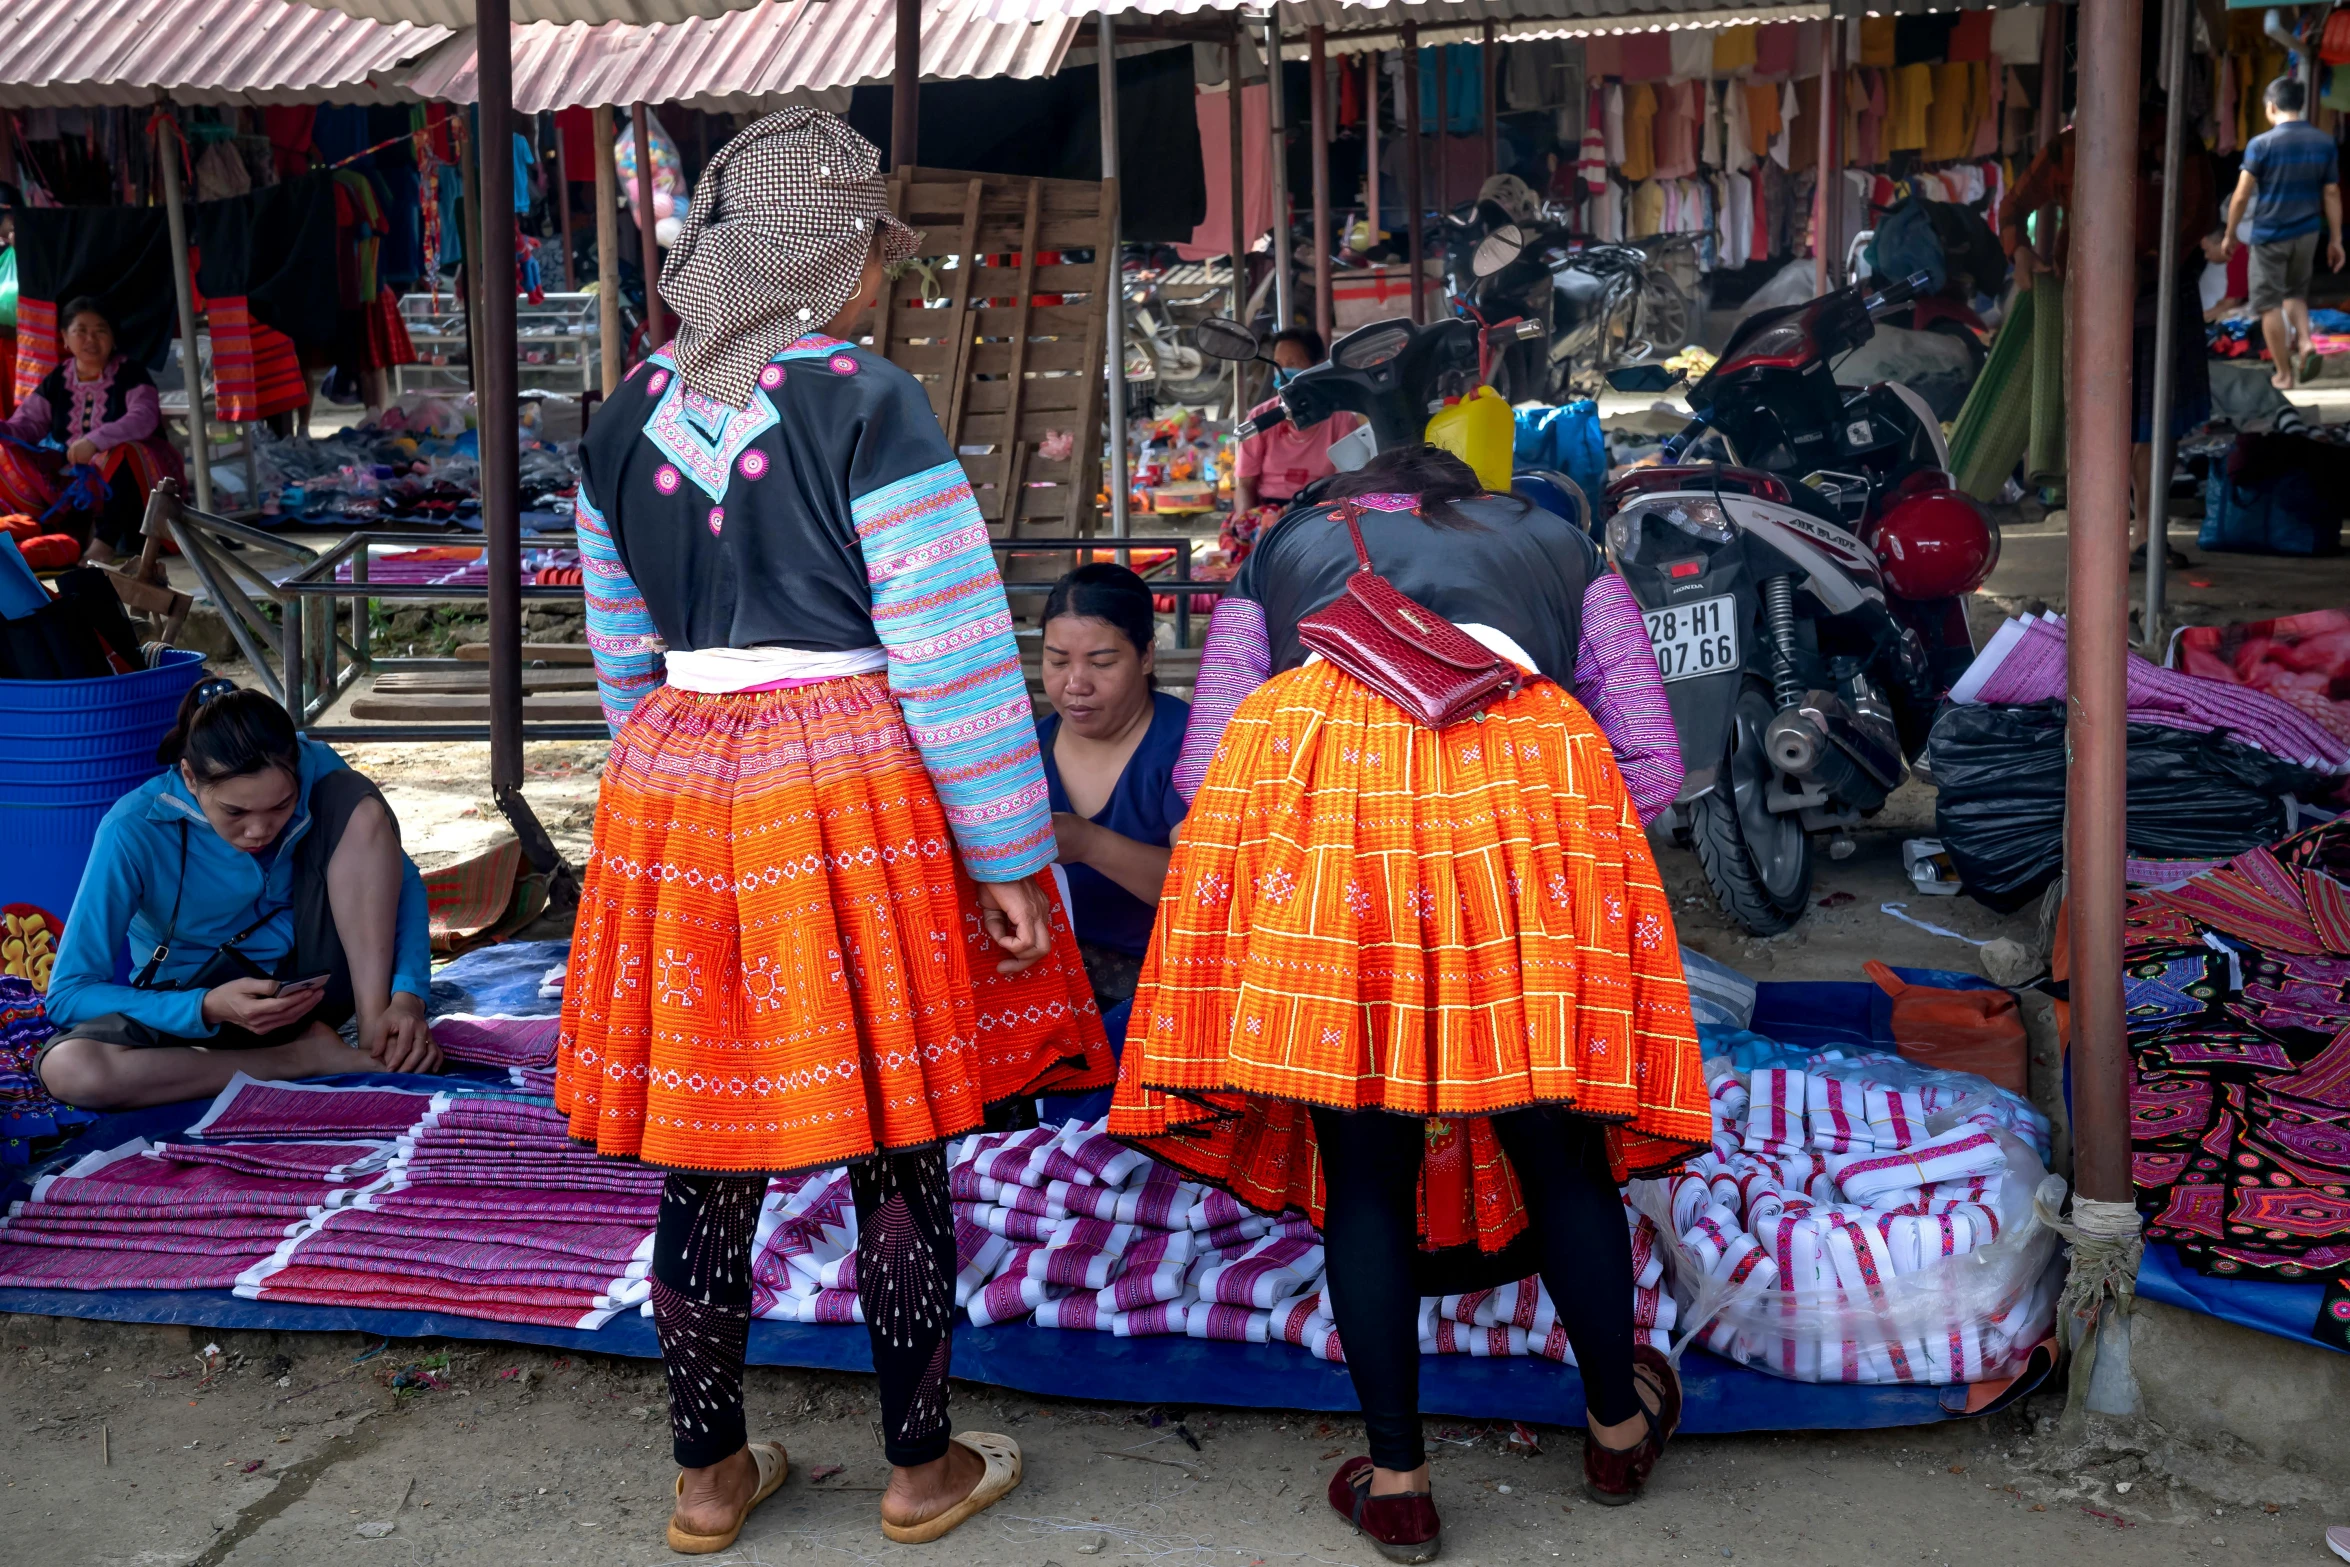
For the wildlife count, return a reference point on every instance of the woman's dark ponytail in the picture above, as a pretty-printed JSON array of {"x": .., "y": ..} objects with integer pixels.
[{"x": 224, "y": 732}]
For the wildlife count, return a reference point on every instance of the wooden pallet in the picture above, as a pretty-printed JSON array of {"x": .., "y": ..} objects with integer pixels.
[
  {"x": 472, "y": 682},
  {"x": 466, "y": 708},
  {"x": 1024, "y": 371}
]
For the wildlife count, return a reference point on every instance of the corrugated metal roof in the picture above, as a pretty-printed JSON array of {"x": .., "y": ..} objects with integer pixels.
[
  {"x": 746, "y": 59},
  {"x": 455, "y": 14},
  {"x": 1445, "y": 20},
  {"x": 96, "y": 52}
]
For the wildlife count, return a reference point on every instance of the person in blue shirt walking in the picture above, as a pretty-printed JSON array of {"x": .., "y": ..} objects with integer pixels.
[
  {"x": 261, "y": 888},
  {"x": 2291, "y": 179}
]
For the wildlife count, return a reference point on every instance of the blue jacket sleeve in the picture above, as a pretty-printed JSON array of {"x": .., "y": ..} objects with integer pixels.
[
  {"x": 620, "y": 634},
  {"x": 412, "y": 936},
  {"x": 81, "y": 983}
]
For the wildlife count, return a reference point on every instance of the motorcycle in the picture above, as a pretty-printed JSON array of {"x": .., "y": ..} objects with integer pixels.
[
  {"x": 1801, "y": 560},
  {"x": 1162, "y": 306},
  {"x": 1600, "y": 307}
]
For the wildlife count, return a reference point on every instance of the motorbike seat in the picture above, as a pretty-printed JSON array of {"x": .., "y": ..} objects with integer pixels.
[{"x": 1580, "y": 295}]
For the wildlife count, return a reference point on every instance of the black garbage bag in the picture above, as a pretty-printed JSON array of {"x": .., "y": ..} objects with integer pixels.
[{"x": 2000, "y": 812}]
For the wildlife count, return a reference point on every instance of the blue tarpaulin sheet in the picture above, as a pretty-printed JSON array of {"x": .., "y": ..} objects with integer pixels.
[
  {"x": 2286, "y": 1310},
  {"x": 1721, "y": 1397}
]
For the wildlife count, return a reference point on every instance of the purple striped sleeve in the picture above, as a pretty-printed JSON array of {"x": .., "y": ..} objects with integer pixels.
[
  {"x": 1237, "y": 658},
  {"x": 1616, "y": 679}
]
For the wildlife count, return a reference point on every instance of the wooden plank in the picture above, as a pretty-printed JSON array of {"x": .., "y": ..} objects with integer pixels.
[
  {"x": 961, "y": 314},
  {"x": 1038, "y": 394},
  {"x": 1010, "y": 452},
  {"x": 1090, "y": 415},
  {"x": 1032, "y": 320},
  {"x": 560, "y": 708},
  {"x": 533, "y": 652},
  {"x": 460, "y": 682}
]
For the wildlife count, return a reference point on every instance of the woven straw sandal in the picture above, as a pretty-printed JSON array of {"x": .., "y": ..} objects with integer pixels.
[
  {"x": 1002, "y": 1457},
  {"x": 774, "y": 1468}
]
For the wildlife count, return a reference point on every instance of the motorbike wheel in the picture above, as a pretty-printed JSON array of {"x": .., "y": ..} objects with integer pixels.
[{"x": 1758, "y": 864}]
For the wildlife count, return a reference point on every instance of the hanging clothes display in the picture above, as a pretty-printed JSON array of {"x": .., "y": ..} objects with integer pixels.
[
  {"x": 1910, "y": 89},
  {"x": 1948, "y": 131},
  {"x": 1733, "y": 50},
  {"x": 119, "y": 256},
  {"x": 1640, "y": 109},
  {"x": 1676, "y": 131},
  {"x": 271, "y": 275},
  {"x": 1693, "y": 54}
]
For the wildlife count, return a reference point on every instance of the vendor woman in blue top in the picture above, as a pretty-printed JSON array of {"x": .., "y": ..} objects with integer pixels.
[
  {"x": 1109, "y": 761},
  {"x": 260, "y": 887}
]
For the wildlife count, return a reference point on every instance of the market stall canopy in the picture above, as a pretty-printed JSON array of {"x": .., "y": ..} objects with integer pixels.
[
  {"x": 93, "y": 53},
  {"x": 746, "y": 60},
  {"x": 454, "y": 14},
  {"x": 1372, "y": 24}
]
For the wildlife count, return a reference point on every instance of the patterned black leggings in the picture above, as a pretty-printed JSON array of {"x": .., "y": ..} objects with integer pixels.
[{"x": 905, "y": 1280}]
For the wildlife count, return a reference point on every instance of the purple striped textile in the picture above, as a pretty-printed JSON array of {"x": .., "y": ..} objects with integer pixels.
[
  {"x": 92, "y": 1268},
  {"x": 521, "y": 1176},
  {"x": 280, "y": 1161},
  {"x": 481, "y": 1137},
  {"x": 251, "y": 1111},
  {"x": 499, "y": 1202},
  {"x": 459, "y": 1262},
  {"x": 482, "y": 1112},
  {"x": 37, "y": 1219},
  {"x": 137, "y": 1185},
  {"x": 2025, "y": 662},
  {"x": 593, "y": 1240},
  {"x": 162, "y": 1236},
  {"x": 498, "y": 1303},
  {"x": 1236, "y": 659},
  {"x": 497, "y": 1041},
  {"x": 534, "y": 1081},
  {"x": 1616, "y": 679}
]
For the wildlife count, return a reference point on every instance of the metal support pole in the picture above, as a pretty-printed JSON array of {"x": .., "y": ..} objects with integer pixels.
[
  {"x": 495, "y": 415},
  {"x": 563, "y": 209},
  {"x": 1417, "y": 216},
  {"x": 1318, "y": 105},
  {"x": 1374, "y": 85},
  {"x": 1488, "y": 63},
  {"x": 2103, "y": 263},
  {"x": 1234, "y": 119},
  {"x": 183, "y": 285},
  {"x": 608, "y": 251},
  {"x": 905, "y": 89},
  {"x": 1277, "y": 105},
  {"x": 640, "y": 125},
  {"x": 1827, "y": 238},
  {"x": 2156, "y": 500},
  {"x": 1114, "y": 332},
  {"x": 1443, "y": 128}
]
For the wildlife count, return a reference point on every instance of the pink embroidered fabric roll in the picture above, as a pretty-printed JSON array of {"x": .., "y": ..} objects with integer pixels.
[
  {"x": 1774, "y": 1118},
  {"x": 1837, "y": 1115},
  {"x": 1960, "y": 1152},
  {"x": 1896, "y": 1117},
  {"x": 1167, "y": 1321}
]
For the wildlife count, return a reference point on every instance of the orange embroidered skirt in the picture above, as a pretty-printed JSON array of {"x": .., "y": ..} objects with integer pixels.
[
  {"x": 1363, "y": 912},
  {"x": 778, "y": 963}
]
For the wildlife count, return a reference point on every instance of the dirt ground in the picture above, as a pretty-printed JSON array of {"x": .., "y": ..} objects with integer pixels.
[{"x": 120, "y": 1447}]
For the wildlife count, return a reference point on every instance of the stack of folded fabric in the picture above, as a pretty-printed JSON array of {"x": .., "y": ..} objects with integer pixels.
[
  {"x": 1826, "y": 1221},
  {"x": 178, "y": 1216},
  {"x": 28, "y": 1116},
  {"x": 497, "y": 1041},
  {"x": 486, "y": 1209},
  {"x": 1069, "y": 1228}
]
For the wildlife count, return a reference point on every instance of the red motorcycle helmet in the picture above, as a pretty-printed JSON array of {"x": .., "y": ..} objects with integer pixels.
[{"x": 1934, "y": 541}]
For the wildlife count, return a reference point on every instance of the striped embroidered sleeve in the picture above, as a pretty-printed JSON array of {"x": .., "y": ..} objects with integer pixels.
[
  {"x": 620, "y": 632},
  {"x": 1616, "y": 679},
  {"x": 940, "y": 611},
  {"x": 1237, "y": 658}
]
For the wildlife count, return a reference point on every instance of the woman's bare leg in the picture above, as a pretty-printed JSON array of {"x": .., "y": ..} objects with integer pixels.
[
  {"x": 95, "y": 1075},
  {"x": 363, "y": 893}
]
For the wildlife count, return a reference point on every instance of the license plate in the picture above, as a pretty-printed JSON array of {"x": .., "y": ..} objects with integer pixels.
[{"x": 1695, "y": 639}]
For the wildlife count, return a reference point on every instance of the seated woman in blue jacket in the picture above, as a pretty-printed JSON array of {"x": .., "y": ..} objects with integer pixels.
[{"x": 261, "y": 888}]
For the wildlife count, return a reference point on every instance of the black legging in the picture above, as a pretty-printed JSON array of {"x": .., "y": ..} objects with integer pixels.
[
  {"x": 905, "y": 1281},
  {"x": 1371, "y": 1168}
]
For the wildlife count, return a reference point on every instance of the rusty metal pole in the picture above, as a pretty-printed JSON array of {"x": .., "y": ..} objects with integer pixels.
[
  {"x": 1277, "y": 112},
  {"x": 1411, "y": 162},
  {"x": 1318, "y": 106},
  {"x": 640, "y": 121},
  {"x": 1443, "y": 128},
  {"x": 1235, "y": 119},
  {"x": 2177, "y": 39},
  {"x": 608, "y": 334},
  {"x": 563, "y": 204},
  {"x": 1828, "y": 195},
  {"x": 2051, "y": 121},
  {"x": 1489, "y": 57},
  {"x": 2102, "y": 284},
  {"x": 1374, "y": 83},
  {"x": 905, "y": 88}
]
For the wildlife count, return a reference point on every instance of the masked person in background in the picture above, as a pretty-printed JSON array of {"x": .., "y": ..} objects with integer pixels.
[
  {"x": 1275, "y": 464},
  {"x": 815, "y": 928}
]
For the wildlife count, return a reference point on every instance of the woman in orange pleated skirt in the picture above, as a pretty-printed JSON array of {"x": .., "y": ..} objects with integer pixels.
[
  {"x": 1424, "y": 983},
  {"x": 817, "y": 925}
]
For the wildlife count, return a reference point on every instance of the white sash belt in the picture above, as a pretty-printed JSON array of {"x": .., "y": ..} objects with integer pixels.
[{"x": 716, "y": 671}]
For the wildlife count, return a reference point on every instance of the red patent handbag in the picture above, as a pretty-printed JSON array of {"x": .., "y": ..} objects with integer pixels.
[{"x": 1432, "y": 669}]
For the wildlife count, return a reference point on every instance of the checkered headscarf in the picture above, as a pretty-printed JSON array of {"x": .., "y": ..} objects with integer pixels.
[{"x": 773, "y": 246}]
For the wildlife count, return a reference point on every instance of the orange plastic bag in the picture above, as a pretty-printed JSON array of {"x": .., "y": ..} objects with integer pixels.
[
  {"x": 50, "y": 551},
  {"x": 1979, "y": 1031}
]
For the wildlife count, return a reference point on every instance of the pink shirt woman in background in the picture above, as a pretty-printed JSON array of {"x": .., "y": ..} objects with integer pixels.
[{"x": 101, "y": 409}]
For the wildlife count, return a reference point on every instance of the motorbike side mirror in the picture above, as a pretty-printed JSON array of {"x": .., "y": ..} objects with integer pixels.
[
  {"x": 1642, "y": 378},
  {"x": 1220, "y": 337},
  {"x": 1498, "y": 249}
]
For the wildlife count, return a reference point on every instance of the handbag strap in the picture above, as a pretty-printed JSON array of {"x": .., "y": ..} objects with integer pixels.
[
  {"x": 1349, "y": 513},
  {"x": 146, "y": 976}
]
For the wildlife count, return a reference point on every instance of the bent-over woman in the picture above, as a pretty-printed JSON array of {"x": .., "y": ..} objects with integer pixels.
[
  {"x": 814, "y": 928},
  {"x": 1424, "y": 982}
]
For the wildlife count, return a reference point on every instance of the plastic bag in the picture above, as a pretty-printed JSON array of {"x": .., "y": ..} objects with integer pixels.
[
  {"x": 1924, "y": 1288},
  {"x": 1999, "y": 809},
  {"x": 1975, "y": 1031}
]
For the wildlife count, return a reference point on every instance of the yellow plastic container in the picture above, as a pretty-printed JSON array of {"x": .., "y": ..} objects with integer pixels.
[{"x": 1481, "y": 431}]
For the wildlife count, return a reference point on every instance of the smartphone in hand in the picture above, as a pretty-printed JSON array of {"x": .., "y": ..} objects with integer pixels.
[{"x": 302, "y": 987}]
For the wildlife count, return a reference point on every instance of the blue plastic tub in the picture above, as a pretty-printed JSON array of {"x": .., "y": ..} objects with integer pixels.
[{"x": 71, "y": 748}]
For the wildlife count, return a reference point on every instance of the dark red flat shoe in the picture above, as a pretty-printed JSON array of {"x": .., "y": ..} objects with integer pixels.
[
  {"x": 1613, "y": 1476},
  {"x": 1404, "y": 1527}
]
